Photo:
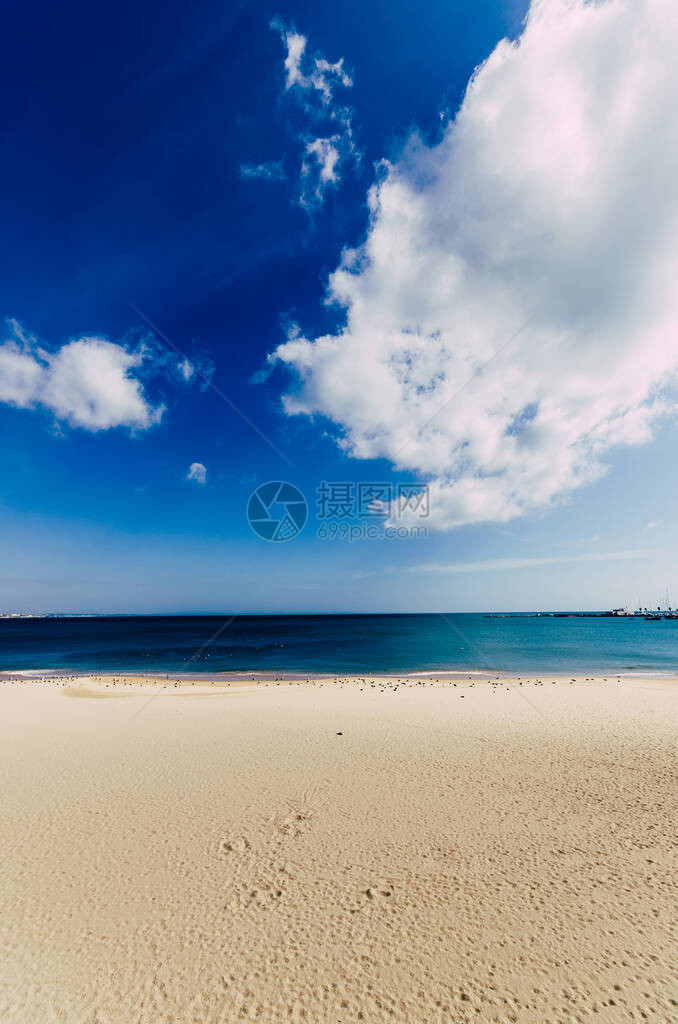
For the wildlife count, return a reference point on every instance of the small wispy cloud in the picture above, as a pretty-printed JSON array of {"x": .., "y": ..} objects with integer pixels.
[
  {"x": 186, "y": 369},
  {"x": 330, "y": 148},
  {"x": 272, "y": 170},
  {"x": 315, "y": 74},
  {"x": 319, "y": 169},
  {"x": 503, "y": 564},
  {"x": 197, "y": 473},
  {"x": 513, "y": 564},
  {"x": 195, "y": 369},
  {"x": 296, "y": 44}
]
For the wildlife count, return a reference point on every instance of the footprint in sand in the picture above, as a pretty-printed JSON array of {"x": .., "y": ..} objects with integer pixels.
[
  {"x": 266, "y": 897},
  {"x": 228, "y": 846},
  {"x": 300, "y": 812},
  {"x": 237, "y": 845},
  {"x": 379, "y": 891}
]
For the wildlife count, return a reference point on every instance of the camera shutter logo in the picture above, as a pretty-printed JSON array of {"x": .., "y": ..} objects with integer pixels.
[{"x": 277, "y": 511}]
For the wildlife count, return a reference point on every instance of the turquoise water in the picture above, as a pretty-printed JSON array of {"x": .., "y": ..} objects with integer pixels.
[{"x": 340, "y": 644}]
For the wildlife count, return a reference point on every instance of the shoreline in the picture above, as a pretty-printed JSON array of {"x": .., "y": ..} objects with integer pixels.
[{"x": 433, "y": 678}]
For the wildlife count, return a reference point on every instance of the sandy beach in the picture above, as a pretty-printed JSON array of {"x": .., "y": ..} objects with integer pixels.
[{"x": 338, "y": 851}]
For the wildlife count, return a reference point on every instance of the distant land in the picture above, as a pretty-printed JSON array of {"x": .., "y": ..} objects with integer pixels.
[{"x": 621, "y": 613}]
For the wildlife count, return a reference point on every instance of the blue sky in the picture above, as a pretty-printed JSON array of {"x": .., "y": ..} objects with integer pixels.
[{"x": 166, "y": 158}]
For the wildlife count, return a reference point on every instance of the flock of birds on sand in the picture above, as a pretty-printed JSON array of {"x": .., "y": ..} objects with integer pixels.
[{"x": 362, "y": 682}]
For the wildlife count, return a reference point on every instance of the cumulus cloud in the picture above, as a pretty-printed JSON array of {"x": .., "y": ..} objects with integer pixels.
[
  {"x": 272, "y": 170},
  {"x": 197, "y": 473},
  {"x": 89, "y": 382},
  {"x": 313, "y": 81},
  {"x": 552, "y": 192}
]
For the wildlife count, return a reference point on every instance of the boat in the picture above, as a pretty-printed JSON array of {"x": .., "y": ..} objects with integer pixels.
[{"x": 669, "y": 612}]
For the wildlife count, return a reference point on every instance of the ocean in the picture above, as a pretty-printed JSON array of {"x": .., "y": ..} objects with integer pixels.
[{"x": 339, "y": 644}]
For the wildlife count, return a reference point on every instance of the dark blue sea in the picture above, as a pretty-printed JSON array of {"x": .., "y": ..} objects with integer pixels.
[{"x": 339, "y": 644}]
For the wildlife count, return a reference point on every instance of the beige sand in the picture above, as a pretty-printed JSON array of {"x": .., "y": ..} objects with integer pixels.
[{"x": 461, "y": 853}]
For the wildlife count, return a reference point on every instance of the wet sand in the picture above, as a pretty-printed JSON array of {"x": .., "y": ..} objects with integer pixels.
[{"x": 335, "y": 851}]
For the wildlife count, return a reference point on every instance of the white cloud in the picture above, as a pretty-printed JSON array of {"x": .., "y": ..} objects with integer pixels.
[
  {"x": 296, "y": 44},
  {"x": 20, "y": 373},
  {"x": 273, "y": 170},
  {"x": 326, "y": 77},
  {"x": 501, "y": 564},
  {"x": 89, "y": 382},
  {"x": 554, "y": 187},
  {"x": 196, "y": 369},
  {"x": 313, "y": 80},
  {"x": 186, "y": 369},
  {"x": 319, "y": 169},
  {"x": 312, "y": 73},
  {"x": 197, "y": 473}
]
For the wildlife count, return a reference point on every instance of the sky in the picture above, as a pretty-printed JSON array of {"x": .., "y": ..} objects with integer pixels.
[{"x": 423, "y": 253}]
